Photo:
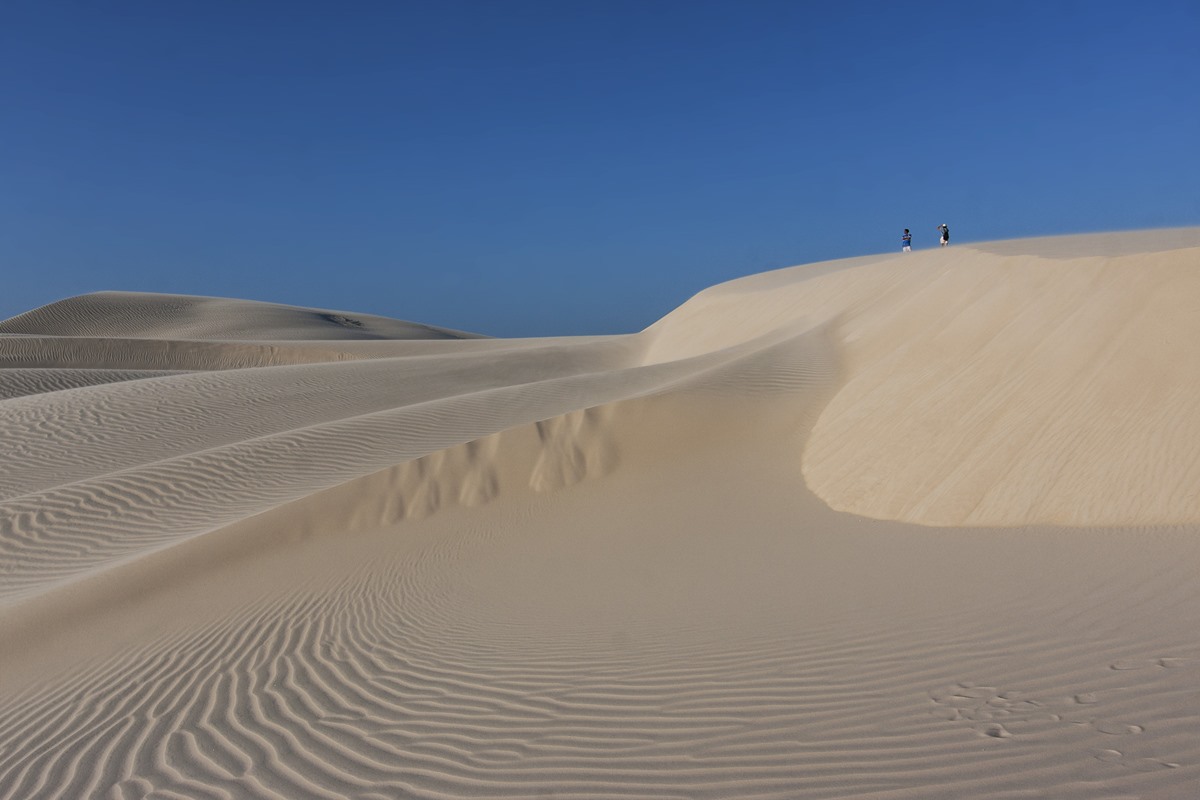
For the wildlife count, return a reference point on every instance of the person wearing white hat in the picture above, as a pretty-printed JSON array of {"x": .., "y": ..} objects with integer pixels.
[{"x": 945, "y": 231}]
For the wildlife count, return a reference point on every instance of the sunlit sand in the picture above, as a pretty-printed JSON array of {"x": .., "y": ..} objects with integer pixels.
[{"x": 917, "y": 525}]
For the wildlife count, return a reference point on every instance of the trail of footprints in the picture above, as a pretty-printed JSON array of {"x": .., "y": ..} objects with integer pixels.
[{"x": 1004, "y": 714}]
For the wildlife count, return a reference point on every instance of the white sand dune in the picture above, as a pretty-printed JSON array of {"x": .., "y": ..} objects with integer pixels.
[{"x": 919, "y": 526}]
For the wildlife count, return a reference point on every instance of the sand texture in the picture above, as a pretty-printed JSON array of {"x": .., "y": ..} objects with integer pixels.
[{"x": 905, "y": 526}]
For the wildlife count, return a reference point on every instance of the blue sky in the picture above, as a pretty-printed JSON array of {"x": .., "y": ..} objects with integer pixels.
[{"x": 567, "y": 167}]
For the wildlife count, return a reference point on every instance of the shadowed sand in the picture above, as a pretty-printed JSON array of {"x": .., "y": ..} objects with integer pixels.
[{"x": 919, "y": 526}]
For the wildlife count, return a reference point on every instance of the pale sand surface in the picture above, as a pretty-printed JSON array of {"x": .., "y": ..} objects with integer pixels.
[{"x": 920, "y": 526}]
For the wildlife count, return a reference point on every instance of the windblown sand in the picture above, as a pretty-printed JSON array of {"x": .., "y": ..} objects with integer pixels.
[{"x": 906, "y": 526}]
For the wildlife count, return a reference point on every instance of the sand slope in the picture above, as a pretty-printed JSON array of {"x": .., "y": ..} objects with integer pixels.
[{"x": 896, "y": 527}]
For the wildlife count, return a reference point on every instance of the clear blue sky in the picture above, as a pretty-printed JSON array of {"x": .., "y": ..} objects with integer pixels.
[{"x": 569, "y": 166}]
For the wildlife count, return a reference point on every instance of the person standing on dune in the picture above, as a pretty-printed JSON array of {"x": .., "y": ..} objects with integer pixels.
[
  {"x": 945, "y": 231},
  {"x": 907, "y": 240}
]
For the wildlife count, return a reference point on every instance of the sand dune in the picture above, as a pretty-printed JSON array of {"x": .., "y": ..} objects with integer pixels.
[
  {"x": 133, "y": 315},
  {"x": 894, "y": 527}
]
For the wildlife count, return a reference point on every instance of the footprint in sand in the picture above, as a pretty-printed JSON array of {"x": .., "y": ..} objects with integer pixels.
[
  {"x": 1000, "y": 714},
  {"x": 968, "y": 702},
  {"x": 1148, "y": 663},
  {"x": 1134, "y": 763},
  {"x": 997, "y": 714}
]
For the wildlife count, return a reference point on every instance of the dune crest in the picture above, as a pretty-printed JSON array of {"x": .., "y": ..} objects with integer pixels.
[
  {"x": 989, "y": 389},
  {"x": 897, "y": 526}
]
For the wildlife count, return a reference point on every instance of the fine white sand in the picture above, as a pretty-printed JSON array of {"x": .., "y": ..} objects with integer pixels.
[{"x": 902, "y": 526}]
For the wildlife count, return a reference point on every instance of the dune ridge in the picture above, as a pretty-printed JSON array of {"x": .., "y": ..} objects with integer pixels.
[{"x": 897, "y": 526}]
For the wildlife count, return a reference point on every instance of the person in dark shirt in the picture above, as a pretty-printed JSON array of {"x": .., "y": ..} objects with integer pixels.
[
  {"x": 907, "y": 240},
  {"x": 945, "y": 231}
]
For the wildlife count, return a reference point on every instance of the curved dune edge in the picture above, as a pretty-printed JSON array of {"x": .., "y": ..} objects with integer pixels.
[
  {"x": 63, "y": 519},
  {"x": 1001, "y": 390},
  {"x": 618, "y": 566},
  {"x": 985, "y": 385}
]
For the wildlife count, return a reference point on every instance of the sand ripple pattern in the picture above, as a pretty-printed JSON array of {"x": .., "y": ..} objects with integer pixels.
[
  {"x": 361, "y": 693},
  {"x": 22, "y": 382},
  {"x": 346, "y": 696},
  {"x": 389, "y": 683},
  {"x": 252, "y": 551}
]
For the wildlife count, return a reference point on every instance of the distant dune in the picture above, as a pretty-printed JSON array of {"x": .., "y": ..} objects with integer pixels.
[
  {"x": 916, "y": 525},
  {"x": 133, "y": 315}
]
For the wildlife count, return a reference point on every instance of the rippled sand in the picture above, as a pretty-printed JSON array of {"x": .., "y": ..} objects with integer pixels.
[{"x": 903, "y": 526}]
